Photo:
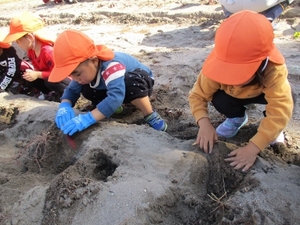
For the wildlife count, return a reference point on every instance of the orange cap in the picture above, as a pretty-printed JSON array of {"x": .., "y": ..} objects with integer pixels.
[
  {"x": 23, "y": 24},
  {"x": 2, "y": 44},
  {"x": 70, "y": 49},
  {"x": 242, "y": 42}
]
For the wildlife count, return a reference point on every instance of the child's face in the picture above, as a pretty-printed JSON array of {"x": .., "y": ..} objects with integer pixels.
[
  {"x": 86, "y": 71},
  {"x": 25, "y": 42}
]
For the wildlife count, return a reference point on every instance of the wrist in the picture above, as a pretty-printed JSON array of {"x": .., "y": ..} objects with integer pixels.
[
  {"x": 65, "y": 104},
  {"x": 91, "y": 118},
  {"x": 39, "y": 74},
  {"x": 254, "y": 147},
  {"x": 202, "y": 121}
]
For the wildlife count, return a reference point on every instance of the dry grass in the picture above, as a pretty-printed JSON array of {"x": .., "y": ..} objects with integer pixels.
[
  {"x": 39, "y": 145},
  {"x": 36, "y": 148}
]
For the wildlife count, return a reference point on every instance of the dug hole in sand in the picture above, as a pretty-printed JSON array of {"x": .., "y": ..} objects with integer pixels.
[{"x": 122, "y": 172}]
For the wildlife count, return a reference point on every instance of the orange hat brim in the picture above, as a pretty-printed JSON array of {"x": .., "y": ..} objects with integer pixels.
[
  {"x": 43, "y": 35},
  {"x": 226, "y": 72},
  {"x": 4, "y": 45},
  {"x": 13, "y": 37},
  {"x": 59, "y": 73},
  {"x": 232, "y": 73}
]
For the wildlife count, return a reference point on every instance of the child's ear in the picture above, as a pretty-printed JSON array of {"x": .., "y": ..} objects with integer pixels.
[
  {"x": 30, "y": 36},
  {"x": 95, "y": 60}
]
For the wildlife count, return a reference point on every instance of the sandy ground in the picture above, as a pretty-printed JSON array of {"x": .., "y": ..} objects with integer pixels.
[{"x": 122, "y": 172}]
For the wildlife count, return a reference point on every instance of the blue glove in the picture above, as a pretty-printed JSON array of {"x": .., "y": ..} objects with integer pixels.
[
  {"x": 78, "y": 123},
  {"x": 64, "y": 114}
]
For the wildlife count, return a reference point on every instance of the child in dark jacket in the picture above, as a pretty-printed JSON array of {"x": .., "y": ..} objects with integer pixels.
[
  {"x": 9, "y": 65},
  {"x": 11, "y": 70}
]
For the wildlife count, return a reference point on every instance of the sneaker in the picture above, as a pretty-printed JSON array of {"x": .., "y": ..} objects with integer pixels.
[
  {"x": 279, "y": 139},
  {"x": 119, "y": 110},
  {"x": 41, "y": 96},
  {"x": 156, "y": 122},
  {"x": 50, "y": 96},
  {"x": 231, "y": 126}
]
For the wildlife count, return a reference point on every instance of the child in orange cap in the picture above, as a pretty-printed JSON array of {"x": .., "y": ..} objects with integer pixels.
[
  {"x": 244, "y": 67},
  {"x": 29, "y": 33},
  {"x": 105, "y": 77},
  {"x": 11, "y": 69}
]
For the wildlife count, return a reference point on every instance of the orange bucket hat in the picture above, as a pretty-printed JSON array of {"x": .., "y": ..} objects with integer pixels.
[
  {"x": 3, "y": 44},
  {"x": 242, "y": 42},
  {"x": 70, "y": 49},
  {"x": 26, "y": 23}
]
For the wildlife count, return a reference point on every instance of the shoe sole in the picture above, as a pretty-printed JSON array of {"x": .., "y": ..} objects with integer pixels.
[{"x": 166, "y": 127}]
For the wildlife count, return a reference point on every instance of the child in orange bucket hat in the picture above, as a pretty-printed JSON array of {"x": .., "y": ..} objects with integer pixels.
[
  {"x": 30, "y": 34},
  {"x": 245, "y": 67},
  {"x": 105, "y": 77}
]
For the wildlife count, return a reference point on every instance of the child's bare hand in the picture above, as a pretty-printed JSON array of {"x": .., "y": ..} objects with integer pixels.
[
  {"x": 207, "y": 135},
  {"x": 30, "y": 75},
  {"x": 243, "y": 158}
]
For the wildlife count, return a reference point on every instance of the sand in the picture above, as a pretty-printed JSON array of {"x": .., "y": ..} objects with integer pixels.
[{"x": 122, "y": 172}]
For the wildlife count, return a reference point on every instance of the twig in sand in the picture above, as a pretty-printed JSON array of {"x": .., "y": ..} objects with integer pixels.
[
  {"x": 39, "y": 145},
  {"x": 213, "y": 197}
]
